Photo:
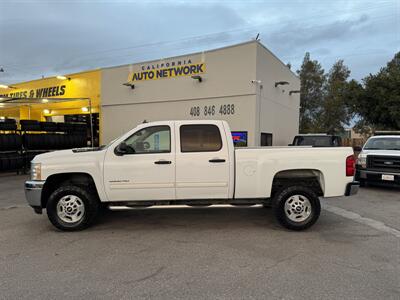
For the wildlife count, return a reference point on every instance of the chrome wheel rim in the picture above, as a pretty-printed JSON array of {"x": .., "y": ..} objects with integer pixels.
[
  {"x": 70, "y": 209},
  {"x": 298, "y": 208}
]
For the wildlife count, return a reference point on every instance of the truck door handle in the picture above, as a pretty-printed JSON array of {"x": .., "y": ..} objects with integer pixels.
[
  {"x": 163, "y": 162},
  {"x": 217, "y": 160}
]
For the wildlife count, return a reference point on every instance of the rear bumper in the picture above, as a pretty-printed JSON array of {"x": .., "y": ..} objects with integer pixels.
[
  {"x": 33, "y": 194},
  {"x": 352, "y": 188}
]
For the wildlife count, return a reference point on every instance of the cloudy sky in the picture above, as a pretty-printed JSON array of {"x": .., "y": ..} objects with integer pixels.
[{"x": 45, "y": 38}]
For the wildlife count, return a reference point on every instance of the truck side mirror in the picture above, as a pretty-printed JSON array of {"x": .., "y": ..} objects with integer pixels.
[{"x": 123, "y": 149}]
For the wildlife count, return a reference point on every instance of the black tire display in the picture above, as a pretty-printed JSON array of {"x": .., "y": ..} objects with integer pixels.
[
  {"x": 48, "y": 126},
  {"x": 10, "y": 142},
  {"x": 8, "y": 126},
  {"x": 53, "y": 141},
  {"x": 72, "y": 208},
  {"x": 11, "y": 161},
  {"x": 29, "y": 143},
  {"x": 30, "y": 125},
  {"x": 296, "y": 207}
]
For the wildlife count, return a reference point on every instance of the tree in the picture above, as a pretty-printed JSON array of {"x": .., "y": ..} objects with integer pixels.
[
  {"x": 312, "y": 80},
  {"x": 378, "y": 105},
  {"x": 335, "y": 110}
]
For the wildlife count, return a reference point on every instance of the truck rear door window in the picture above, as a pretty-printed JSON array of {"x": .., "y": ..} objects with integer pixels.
[{"x": 200, "y": 138}]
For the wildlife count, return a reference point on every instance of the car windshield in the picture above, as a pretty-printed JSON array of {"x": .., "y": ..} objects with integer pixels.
[
  {"x": 316, "y": 141},
  {"x": 383, "y": 144}
]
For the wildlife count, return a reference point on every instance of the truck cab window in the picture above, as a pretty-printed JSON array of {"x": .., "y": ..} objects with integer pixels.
[
  {"x": 155, "y": 139},
  {"x": 200, "y": 138}
]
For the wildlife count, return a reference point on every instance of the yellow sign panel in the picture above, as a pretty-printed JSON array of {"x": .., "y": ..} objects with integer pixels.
[
  {"x": 77, "y": 86},
  {"x": 80, "y": 85},
  {"x": 175, "y": 71}
]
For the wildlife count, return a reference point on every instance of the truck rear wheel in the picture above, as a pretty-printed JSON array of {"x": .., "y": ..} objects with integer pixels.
[
  {"x": 296, "y": 207},
  {"x": 72, "y": 208}
]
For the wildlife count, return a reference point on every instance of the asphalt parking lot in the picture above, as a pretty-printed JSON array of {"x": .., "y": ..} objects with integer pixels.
[{"x": 353, "y": 252}]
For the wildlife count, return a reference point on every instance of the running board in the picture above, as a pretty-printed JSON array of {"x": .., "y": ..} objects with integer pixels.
[
  {"x": 129, "y": 205},
  {"x": 120, "y": 207}
]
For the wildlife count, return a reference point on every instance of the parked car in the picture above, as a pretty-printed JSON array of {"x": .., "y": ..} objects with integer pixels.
[
  {"x": 187, "y": 162},
  {"x": 379, "y": 160},
  {"x": 317, "y": 140}
]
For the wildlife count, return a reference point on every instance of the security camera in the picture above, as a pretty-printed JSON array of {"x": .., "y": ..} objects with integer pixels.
[{"x": 256, "y": 81}]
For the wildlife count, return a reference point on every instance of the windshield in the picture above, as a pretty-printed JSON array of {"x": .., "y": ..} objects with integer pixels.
[
  {"x": 383, "y": 144},
  {"x": 316, "y": 141}
]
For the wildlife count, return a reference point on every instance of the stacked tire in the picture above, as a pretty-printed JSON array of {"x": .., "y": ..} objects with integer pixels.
[
  {"x": 8, "y": 125},
  {"x": 48, "y": 126},
  {"x": 10, "y": 147},
  {"x": 65, "y": 127},
  {"x": 30, "y": 125},
  {"x": 53, "y": 141},
  {"x": 16, "y": 151},
  {"x": 10, "y": 142},
  {"x": 11, "y": 161}
]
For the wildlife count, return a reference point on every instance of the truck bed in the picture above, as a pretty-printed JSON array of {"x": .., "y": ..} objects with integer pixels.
[{"x": 257, "y": 167}]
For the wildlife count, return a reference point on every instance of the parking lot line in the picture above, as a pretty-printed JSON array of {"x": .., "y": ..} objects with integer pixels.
[{"x": 362, "y": 220}]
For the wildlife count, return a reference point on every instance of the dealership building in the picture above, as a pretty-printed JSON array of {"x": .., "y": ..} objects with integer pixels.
[{"x": 244, "y": 84}]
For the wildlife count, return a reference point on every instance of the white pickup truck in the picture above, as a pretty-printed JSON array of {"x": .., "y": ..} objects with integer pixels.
[{"x": 187, "y": 162}]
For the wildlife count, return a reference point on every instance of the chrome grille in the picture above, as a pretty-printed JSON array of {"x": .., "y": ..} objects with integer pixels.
[{"x": 384, "y": 163}]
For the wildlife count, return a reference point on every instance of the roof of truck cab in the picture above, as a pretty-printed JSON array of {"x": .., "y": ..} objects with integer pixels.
[
  {"x": 317, "y": 134},
  {"x": 184, "y": 121},
  {"x": 385, "y": 136}
]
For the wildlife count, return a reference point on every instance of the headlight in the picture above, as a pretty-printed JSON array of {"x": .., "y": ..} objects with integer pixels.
[
  {"x": 36, "y": 171},
  {"x": 362, "y": 160}
]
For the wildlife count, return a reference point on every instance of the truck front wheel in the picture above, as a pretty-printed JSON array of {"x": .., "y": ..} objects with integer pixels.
[
  {"x": 72, "y": 208},
  {"x": 296, "y": 207}
]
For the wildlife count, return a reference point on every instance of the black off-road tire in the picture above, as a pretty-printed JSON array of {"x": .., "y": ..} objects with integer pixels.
[
  {"x": 88, "y": 197},
  {"x": 279, "y": 207}
]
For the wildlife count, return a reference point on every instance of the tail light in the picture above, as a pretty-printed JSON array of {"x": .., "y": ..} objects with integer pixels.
[{"x": 350, "y": 165}]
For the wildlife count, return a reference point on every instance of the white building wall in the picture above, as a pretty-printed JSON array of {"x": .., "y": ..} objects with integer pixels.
[
  {"x": 118, "y": 119},
  {"x": 279, "y": 110},
  {"x": 226, "y": 81}
]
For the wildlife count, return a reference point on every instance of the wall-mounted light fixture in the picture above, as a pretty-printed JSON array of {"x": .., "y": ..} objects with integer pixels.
[
  {"x": 62, "y": 77},
  {"x": 294, "y": 92},
  {"x": 197, "y": 77},
  {"x": 281, "y": 83},
  {"x": 131, "y": 85},
  {"x": 3, "y": 86}
]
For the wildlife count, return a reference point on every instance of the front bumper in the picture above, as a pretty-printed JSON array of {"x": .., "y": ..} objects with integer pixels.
[
  {"x": 376, "y": 176},
  {"x": 352, "y": 188},
  {"x": 33, "y": 194}
]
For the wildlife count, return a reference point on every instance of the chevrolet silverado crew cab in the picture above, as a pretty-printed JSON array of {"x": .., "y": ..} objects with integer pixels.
[
  {"x": 187, "y": 162},
  {"x": 379, "y": 160}
]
